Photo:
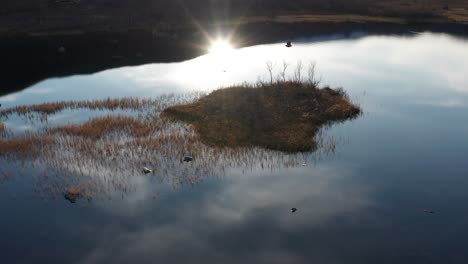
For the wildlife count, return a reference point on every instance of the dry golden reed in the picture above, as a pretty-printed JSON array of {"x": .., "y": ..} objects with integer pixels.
[{"x": 41, "y": 111}]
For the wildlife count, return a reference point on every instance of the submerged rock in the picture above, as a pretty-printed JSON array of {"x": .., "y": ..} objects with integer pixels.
[
  {"x": 62, "y": 50},
  {"x": 73, "y": 193},
  {"x": 187, "y": 159}
]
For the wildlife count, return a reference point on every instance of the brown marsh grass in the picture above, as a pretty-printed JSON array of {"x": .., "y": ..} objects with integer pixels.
[
  {"x": 41, "y": 111},
  {"x": 99, "y": 127},
  {"x": 24, "y": 147}
]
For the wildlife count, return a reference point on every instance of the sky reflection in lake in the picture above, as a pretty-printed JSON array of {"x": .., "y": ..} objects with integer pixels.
[
  {"x": 388, "y": 65},
  {"x": 365, "y": 204}
]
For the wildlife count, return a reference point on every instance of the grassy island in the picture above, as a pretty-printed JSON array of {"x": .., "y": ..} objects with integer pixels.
[
  {"x": 282, "y": 115},
  {"x": 92, "y": 159}
]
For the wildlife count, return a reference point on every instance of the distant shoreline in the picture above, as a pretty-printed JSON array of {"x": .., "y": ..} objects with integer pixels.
[{"x": 19, "y": 29}]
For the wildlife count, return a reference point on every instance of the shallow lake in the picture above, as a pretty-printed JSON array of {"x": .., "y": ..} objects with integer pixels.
[{"x": 393, "y": 191}]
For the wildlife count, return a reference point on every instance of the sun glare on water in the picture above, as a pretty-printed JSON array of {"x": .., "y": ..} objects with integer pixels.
[{"x": 220, "y": 46}]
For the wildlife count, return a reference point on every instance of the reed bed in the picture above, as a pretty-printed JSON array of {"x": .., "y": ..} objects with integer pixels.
[
  {"x": 104, "y": 166},
  {"x": 42, "y": 111}
]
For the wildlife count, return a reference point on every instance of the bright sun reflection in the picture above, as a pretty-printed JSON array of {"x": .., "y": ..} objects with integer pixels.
[{"x": 220, "y": 46}]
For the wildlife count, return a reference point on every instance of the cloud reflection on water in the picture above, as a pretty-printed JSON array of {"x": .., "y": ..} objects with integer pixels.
[{"x": 244, "y": 219}]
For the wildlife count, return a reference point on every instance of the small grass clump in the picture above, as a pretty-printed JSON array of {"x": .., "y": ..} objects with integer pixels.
[
  {"x": 73, "y": 193},
  {"x": 282, "y": 115}
]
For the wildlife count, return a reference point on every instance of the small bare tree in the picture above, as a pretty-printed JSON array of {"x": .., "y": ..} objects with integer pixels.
[
  {"x": 270, "y": 67},
  {"x": 283, "y": 72},
  {"x": 260, "y": 81}
]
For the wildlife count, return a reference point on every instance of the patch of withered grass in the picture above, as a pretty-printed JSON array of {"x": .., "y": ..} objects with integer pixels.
[
  {"x": 283, "y": 115},
  {"x": 126, "y": 103},
  {"x": 25, "y": 147},
  {"x": 100, "y": 127}
]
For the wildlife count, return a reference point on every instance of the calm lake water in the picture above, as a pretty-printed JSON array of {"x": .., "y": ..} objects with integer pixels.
[{"x": 366, "y": 203}]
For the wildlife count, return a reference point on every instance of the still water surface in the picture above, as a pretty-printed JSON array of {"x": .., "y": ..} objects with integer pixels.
[{"x": 364, "y": 204}]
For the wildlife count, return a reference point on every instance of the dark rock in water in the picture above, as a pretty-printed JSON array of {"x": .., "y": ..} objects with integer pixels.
[
  {"x": 288, "y": 44},
  {"x": 187, "y": 159},
  {"x": 73, "y": 193},
  {"x": 293, "y": 210}
]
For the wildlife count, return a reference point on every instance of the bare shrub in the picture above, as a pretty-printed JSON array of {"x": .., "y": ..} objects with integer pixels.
[
  {"x": 298, "y": 72},
  {"x": 311, "y": 75}
]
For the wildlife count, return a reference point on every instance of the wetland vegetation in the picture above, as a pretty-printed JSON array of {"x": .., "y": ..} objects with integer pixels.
[{"x": 266, "y": 125}]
